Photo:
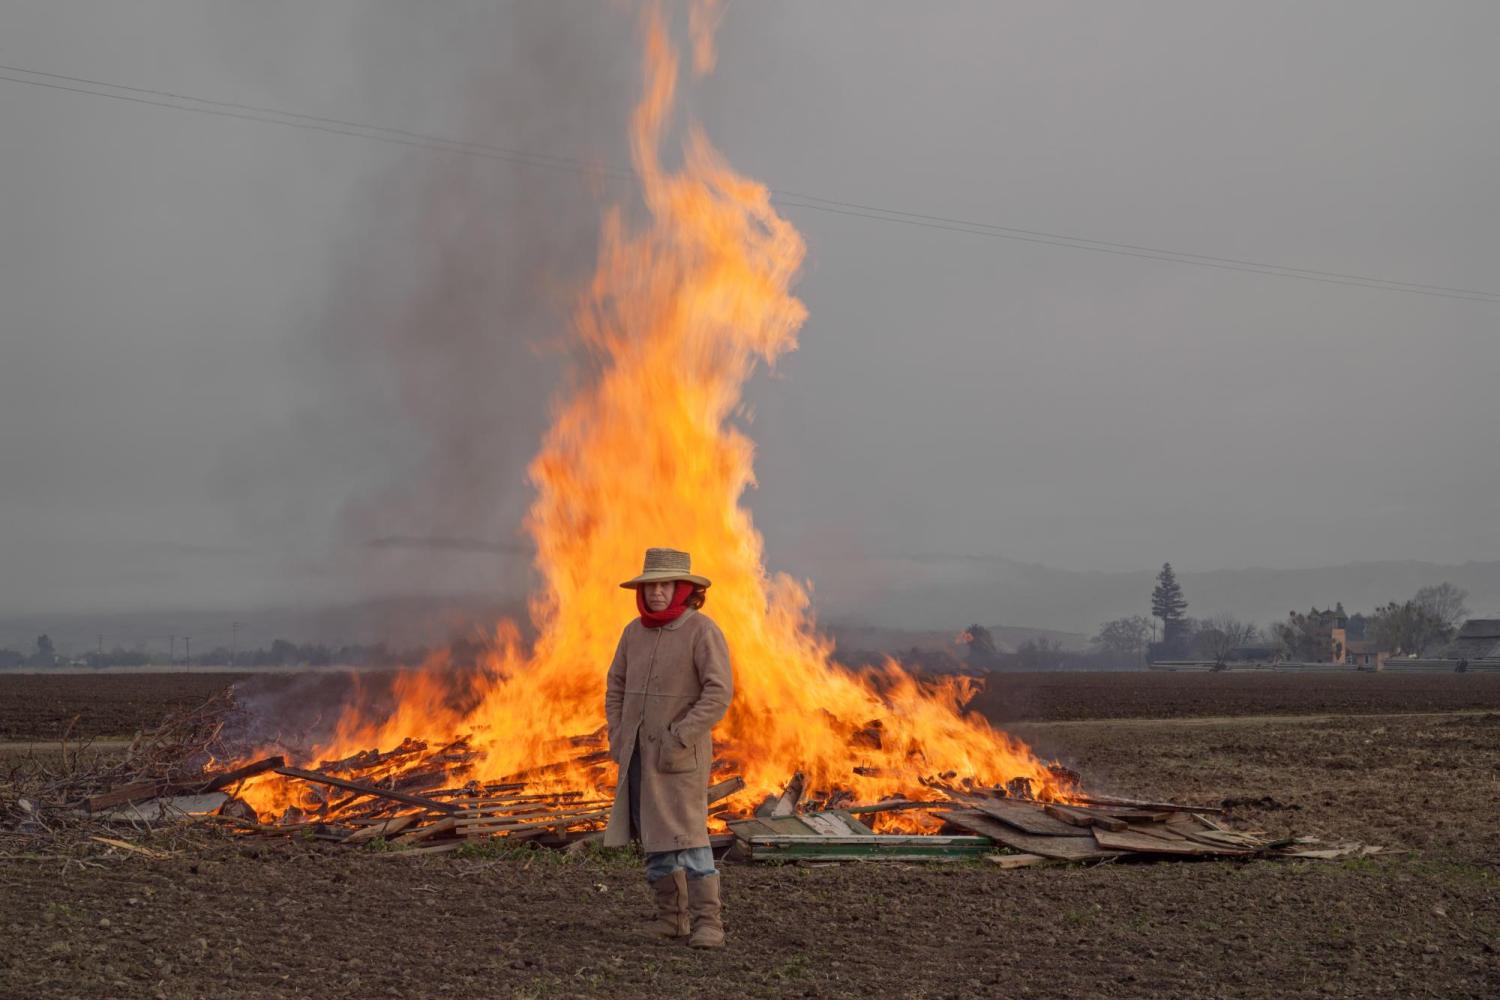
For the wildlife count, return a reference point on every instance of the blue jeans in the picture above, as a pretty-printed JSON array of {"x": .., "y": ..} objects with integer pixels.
[{"x": 698, "y": 862}]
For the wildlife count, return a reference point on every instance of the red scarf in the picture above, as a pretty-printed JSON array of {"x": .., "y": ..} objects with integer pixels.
[{"x": 670, "y": 613}]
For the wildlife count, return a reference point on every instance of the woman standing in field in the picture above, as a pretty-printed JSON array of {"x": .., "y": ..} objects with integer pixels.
[{"x": 669, "y": 684}]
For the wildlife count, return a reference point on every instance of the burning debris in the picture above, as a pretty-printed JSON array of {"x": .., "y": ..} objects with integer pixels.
[
  {"x": 684, "y": 305},
  {"x": 688, "y": 298},
  {"x": 402, "y": 800}
]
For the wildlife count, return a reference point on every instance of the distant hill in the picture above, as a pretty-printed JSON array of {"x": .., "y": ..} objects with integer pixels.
[
  {"x": 400, "y": 622},
  {"x": 925, "y": 603}
]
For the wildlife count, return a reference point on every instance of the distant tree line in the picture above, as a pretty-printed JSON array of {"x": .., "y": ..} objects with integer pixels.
[
  {"x": 1041, "y": 653},
  {"x": 43, "y": 655},
  {"x": 1428, "y": 620},
  {"x": 280, "y": 653}
]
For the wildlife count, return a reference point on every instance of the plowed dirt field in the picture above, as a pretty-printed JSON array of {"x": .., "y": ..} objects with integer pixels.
[{"x": 246, "y": 919}]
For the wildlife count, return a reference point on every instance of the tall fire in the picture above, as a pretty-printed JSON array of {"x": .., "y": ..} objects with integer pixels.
[{"x": 645, "y": 451}]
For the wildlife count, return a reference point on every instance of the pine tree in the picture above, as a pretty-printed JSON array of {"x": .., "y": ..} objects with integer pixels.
[{"x": 1167, "y": 602}]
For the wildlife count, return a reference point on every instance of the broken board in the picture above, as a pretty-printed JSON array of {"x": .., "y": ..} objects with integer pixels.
[
  {"x": 1026, "y": 817},
  {"x": 1076, "y": 846},
  {"x": 1131, "y": 840},
  {"x": 876, "y": 847},
  {"x": 167, "y": 810}
]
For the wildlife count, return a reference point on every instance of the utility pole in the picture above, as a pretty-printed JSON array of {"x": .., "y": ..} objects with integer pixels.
[
  {"x": 171, "y": 649},
  {"x": 234, "y": 641},
  {"x": 187, "y": 650},
  {"x": 101, "y": 643}
]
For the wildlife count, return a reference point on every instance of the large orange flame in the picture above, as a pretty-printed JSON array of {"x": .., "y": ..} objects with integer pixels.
[{"x": 678, "y": 315}]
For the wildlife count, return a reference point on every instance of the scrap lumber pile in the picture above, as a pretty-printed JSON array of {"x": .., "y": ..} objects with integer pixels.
[
  {"x": 405, "y": 798},
  {"x": 413, "y": 799},
  {"x": 161, "y": 775},
  {"x": 360, "y": 812},
  {"x": 1016, "y": 832},
  {"x": 420, "y": 799}
]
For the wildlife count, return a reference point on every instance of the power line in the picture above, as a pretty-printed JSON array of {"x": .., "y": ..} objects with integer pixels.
[
  {"x": 792, "y": 199},
  {"x": 1132, "y": 249},
  {"x": 370, "y": 131}
]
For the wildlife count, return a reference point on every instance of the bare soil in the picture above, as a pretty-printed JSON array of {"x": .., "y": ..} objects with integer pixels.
[
  {"x": 1051, "y": 697},
  {"x": 42, "y": 706},
  {"x": 45, "y": 706},
  {"x": 228, "y": 919}
]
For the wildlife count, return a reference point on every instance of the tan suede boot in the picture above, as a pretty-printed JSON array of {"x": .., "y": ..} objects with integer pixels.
[
  {"x": 671, "y": 895},
  {"x": 704, "y": 907}
]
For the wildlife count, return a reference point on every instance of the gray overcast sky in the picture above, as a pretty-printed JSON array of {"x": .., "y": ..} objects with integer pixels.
[{"x": 235, "y": 353}]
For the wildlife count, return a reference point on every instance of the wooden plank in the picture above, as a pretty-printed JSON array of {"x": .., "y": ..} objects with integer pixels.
[
  {"x": 1133, "y": 841},
  {"x": 216, "y": 782},
  {"x": 747, "y": 828},
  {"x": 787, "y": 803},
  {"x": 871, "y": 848},
  {"x": 357, "y": 786},
  {"x": 1131, "y": 815},
  {"x": 533, "y": 809},
  {"x": 1024, "y": 816},
  {"x": 484, "y": 789},
  {"x": 388, "y": 828},
  {"x": 445, "y": 825},
  {"x": 1199, "y": 828},
  {"x": 854, "y": 825},
  {"x": 822, "y": 825},
  {"x": 1008, "y": 861},
  {"x": 136, "y": 791},
  {"x": 169, "y": 809},
  {"x": 1187, "y": 821},
  {"x": 878, "y": 839},
  {"x": 1084, "y": 818},
  {"x": 1215, "y": 839},
  {"x": 792, "y": 826},
  {"x": 827, "y": 824},
  {"x": 1156, "y": 831},
  {"x": 1111, "y": 800},
  {"x": 483, "y": 826},
  {"x": 501, "y": 801},
  {"x": 557, "y": 767},
  {"x": 1210, "y": 824},
  {"x": 725, "y": 788},
  {"x": 1075, "y": 847},
  {"x": 898, "y": 805}
]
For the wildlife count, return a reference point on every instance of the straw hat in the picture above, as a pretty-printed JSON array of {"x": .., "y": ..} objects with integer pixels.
[{"x": 666, "y": 564}]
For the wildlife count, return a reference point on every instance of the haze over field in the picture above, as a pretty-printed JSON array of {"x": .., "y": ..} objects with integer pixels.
[{"x": 249, "y": 365}]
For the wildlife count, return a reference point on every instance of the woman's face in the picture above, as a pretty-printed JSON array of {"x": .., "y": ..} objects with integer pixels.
[{"x": 658, "y": 593}]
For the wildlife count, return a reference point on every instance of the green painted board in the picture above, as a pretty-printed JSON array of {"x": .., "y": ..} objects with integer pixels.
[{"x": 868, "y": 848}]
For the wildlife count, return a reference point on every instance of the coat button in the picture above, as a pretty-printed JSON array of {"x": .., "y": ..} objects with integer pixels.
[{"x": 650, "y": 738}]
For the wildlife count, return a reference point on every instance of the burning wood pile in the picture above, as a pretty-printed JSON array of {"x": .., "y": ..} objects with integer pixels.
[
  {"x": 405, "y": 801},
  {"x": 691, "y": 294}
]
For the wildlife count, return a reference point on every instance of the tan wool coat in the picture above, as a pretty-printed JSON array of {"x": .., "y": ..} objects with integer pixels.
[{"x": 667, "y": 687}]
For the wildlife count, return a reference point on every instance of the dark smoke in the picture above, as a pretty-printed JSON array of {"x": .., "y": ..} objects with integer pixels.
[{"x": 425, "y": 377}]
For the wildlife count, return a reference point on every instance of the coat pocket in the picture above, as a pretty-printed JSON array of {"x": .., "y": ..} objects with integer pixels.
[{"x": 674, "y": 757}]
